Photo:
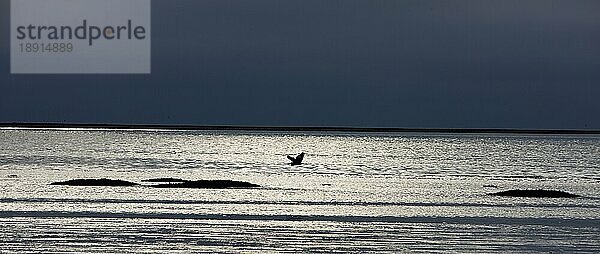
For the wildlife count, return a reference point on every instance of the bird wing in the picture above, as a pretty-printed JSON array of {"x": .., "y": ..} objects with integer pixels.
[{"x": 300, "y": 157}]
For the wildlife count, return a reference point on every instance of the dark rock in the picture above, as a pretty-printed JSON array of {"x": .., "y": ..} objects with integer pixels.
[
  {"x": 535, "y": 194},
  {"x": 95, "y": 182},
  {"x": 208, "y": 184},
  {"x": 165, "y": 180}
]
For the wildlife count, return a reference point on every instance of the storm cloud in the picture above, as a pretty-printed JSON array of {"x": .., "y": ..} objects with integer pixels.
[{"x": 422, "y": 63}]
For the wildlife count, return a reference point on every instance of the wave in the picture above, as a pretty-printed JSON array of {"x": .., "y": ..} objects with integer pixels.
[
  {"x": 291, "y": 203},
  {"x": 562, "y": 222}
]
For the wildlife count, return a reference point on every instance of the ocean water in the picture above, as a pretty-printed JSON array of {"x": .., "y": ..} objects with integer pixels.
[{"x": 355, "y": 192}]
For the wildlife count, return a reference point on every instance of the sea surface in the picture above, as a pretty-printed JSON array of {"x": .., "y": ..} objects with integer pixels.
[{"x": 355, "y": 192}]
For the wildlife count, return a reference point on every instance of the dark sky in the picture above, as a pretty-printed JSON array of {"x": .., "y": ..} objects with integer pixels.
[{"x": 368, "y": 63}]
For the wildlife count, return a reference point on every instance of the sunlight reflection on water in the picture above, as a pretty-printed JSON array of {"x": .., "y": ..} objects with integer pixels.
[{"x": 355, "y": 192}]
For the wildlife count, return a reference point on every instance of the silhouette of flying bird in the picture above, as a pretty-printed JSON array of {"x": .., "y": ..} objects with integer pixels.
[{"x": 297, "y": 160}]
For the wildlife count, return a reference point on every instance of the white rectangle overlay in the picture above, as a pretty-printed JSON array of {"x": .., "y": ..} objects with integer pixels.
[{"x": 80, "y": 37}]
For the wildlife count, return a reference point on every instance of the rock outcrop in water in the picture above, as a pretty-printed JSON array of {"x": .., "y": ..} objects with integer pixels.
[
  {"x": 165, "y": 183},
  {"x": 535, "y": 194},
  {"x": 208, "y": 184},
  {"x": 165, "y": 180},
  {"x": 95, "y": 182}
]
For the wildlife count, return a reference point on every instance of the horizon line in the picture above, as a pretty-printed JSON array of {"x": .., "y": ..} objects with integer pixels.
[{"x": 113, "y": 126}]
